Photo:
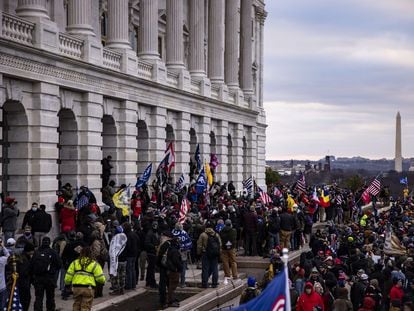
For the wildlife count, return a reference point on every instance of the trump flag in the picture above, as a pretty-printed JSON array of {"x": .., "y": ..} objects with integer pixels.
[{"x": 275, "y": 297}]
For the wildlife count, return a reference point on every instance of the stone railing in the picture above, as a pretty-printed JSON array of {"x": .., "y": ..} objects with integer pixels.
[
  {"x": 70, "y": 46},
  {"x": 17, "y": 29},
  {"x": 111, "y": 59},
  {"x": 215, "y": 91},
  {"x": 145, "y": 70},
  {"x": 172, "y": 79},
  {"x": 232, "y": 97},
  {"x": 195, "y": 86}
]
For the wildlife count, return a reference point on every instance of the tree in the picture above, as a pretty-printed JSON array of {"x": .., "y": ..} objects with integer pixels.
[
  {"x": 272, "y": 177},
  {"x": 354, "y": 182}
]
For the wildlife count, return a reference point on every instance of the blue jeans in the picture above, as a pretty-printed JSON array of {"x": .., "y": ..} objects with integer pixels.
[
  {"x": 3, "y": 298},
  {"x": 273, "y": 240},
  {"x": 209, "y": 266},
  {"x": 182, "y": 280},
  {"x": 131, "y": 275}
]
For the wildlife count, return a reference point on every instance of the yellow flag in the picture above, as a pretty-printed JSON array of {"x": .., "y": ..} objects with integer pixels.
[
  {"x": 121, "y": 201},
  {"x": 208, "y": 174}
]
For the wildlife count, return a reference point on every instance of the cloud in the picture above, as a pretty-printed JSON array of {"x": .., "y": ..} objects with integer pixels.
[{"x": 339, "y": 69}]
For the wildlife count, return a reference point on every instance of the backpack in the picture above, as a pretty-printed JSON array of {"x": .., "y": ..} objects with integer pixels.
[
  {"x": 250, "y": 294},
  {"x": 41, "y": 262},
  {"x": 213, "y": 246}
]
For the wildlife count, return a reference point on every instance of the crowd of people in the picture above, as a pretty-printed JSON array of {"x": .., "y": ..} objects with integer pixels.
[{"x": 348, "y": 267}]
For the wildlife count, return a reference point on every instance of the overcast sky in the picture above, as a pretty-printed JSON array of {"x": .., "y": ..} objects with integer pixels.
[{"x": 336, "y": 73}]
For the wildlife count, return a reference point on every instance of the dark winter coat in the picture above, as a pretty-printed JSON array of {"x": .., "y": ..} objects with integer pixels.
[{"x": 228, "y": 237}]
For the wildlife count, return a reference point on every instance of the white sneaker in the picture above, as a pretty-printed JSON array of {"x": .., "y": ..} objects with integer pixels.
[{"x": 226, "y": 281}]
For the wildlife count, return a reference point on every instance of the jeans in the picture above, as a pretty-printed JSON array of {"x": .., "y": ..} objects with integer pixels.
[
  {"x": 131, "y": 276},
  {"x": 41, "y": 286},
  {"x": 150, "y": 280},
  {"x": 3, "y": 298},
  {"x": 38, "y": 237},
  {"x": 182, "y": 275},
  {"x": 251, "y": 244},
  {"x": 142, "y": 264},
  {"x": 273, "y": 240},
  {"x": 209, "y": 266},
  {"x": 162, "y": 287}
]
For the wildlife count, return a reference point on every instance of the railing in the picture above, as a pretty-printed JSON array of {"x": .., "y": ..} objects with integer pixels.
[
  {"x": 144, "y": 70},
  {"x": 215, "y": 90},
  {"x": 232, "y": 97},
  {"x": 172, "y": 79},
  {"x": 70, "y": 46},
  {"x": 17, "y": 29},
  {"x": 195, "y": 86},
  {"x": 112, "y": 59}
]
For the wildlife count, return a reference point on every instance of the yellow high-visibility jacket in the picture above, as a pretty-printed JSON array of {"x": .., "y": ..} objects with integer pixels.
[{"x": 84, "y": 277}]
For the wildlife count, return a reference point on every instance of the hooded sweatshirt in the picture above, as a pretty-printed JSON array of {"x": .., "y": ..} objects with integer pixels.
[{"x": 307, "y": 302}]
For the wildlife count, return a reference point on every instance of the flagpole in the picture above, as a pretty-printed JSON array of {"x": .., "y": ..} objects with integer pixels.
[{"x": 285, "y": 259}]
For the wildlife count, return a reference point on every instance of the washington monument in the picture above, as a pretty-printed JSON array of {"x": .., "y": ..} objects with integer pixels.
[{"x": 398, "y": 156}]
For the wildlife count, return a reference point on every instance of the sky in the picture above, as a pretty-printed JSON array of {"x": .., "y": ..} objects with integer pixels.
[{"x": 336, "y": 73}]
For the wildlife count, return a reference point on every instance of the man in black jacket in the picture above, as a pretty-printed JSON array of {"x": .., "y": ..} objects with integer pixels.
[
  {"x": 287, "y": 226},
  {"x": 151, "y": 243},
  {"x": 39, "y": 220},
  {"x": 130, "y": 253},
  {"x": 44, "y": 265}
]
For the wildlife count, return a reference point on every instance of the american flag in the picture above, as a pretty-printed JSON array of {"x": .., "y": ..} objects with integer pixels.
[
  {"x": 277, "y": 193},
  {"x": 185, "y": 207},
  {"x": 180, "y": 183},
  {"x": 266, "y": 199},
  {"x": 374, "y": 188},
  {"x": 300, "y": 184},
  {"x": 248, "y": 185},
  {"x": 15, "y": 305}
]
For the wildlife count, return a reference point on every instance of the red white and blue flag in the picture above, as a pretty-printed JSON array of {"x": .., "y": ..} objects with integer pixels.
[
  {"x": 185, "y": 207},
  {"x": 169, "y": 153},
  {"x": 266, "y": 199},
  {"x": 301, "y": 184},
  {"x": 275, "y": 297},
  {"x": 277, "y": 193}
]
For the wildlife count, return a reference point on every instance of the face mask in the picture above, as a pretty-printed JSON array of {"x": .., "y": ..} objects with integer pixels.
[
  {"x": 308, "y": 291},
  {"x": 27, "y": 234},
  {"x": 34, "y": 209}
]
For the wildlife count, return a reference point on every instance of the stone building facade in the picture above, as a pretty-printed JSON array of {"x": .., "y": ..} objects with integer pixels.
[{"x": 83, "y": 79}]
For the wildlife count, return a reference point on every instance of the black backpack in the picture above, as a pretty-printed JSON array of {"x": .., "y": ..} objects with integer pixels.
[
  {"x": 250, "y": 294},
  {"x": 41, "y": 262},
  {"x": 213, "y": 246}
]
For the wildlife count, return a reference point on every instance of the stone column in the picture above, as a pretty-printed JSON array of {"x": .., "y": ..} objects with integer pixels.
[
  {"x": 127, "y": 142},
  {"x": 196, "y": 61},
  {"x": 246, "y": 77},
  {"x": 32, "y": 9},
  {"x": 148, "y": 29},
  {"x": 46, "y": 32},
  {"x": 182, "y": 145},
  {"x": 175, "y": 46},
  {"x": 261, "y": 155},
  {"x": 216, "y": 41},
  {"x": 118, "y": 18},
  {"x": 204, "y": 129},
  {"x": 157, "y": 134},
  {"x": 222, "y": 151},
  {"x": 79, "y": 18},
  {"x": 238, "y": 156},
  {"x": 232, "y": 44},
  {"x": 44, "y": 123},
  {"x": 90, "y": 143}
]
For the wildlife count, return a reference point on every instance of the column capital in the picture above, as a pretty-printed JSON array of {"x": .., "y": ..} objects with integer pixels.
[
  {"x": 260, "y": 14},
  {"x": 32, "y": 9}
]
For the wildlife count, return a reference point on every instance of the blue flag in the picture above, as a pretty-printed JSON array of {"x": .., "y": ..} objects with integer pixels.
[
  {"x": 201, "y": 183},
  {"x": 143, "y": 179},
  {"x": 276, "y": 296},
  {"x": 404, "y": 180},
  {"x": 198, "y": 157}
]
